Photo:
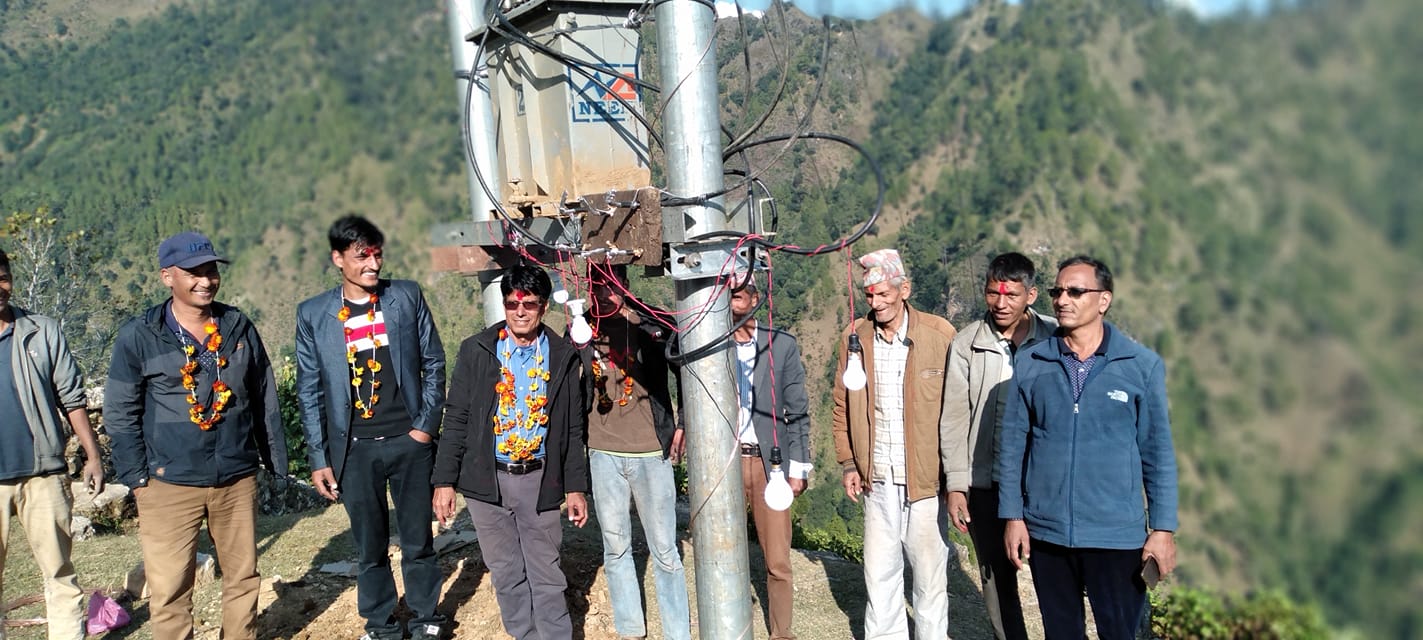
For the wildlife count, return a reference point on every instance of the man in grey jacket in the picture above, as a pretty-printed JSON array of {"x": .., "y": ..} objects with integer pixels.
[
  {"x": 774, "y": 429},
  {"x": 40, "y": 382},
  {"x": 979, "y": 368}
]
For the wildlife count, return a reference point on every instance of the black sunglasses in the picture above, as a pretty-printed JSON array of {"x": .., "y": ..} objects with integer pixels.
[
  {"x": 528, "y": 305},
  {"x": 1072, "y": 292}
]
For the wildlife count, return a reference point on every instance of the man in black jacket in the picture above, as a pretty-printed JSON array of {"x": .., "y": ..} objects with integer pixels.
[
  {"x": 191, "y": 407},
  {"x": 513, "y": 445}
]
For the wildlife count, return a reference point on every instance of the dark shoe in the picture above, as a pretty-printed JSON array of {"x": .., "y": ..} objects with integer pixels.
[{"x": 425, "y": 632}]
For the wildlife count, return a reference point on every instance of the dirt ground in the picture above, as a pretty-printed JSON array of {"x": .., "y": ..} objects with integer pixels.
[{"x": 300, "y": 601}]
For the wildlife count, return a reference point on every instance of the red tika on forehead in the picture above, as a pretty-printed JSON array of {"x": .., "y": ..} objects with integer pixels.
[
  {"x": 1002, "y": 288},
  {"x": 519, "y": 295}
]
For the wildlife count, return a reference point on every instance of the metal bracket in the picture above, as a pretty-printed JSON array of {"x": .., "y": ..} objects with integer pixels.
[{"x": 706, "y": 260}]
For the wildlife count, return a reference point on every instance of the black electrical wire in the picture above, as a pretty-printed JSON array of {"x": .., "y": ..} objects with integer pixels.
[
  {"x": 469, "y": 148},
  {"x": 739, "y": 146},
  {"x": 832, "y": 246},
  {"x": 703, "y": 351},
  {"x": 508, "y": 30}
]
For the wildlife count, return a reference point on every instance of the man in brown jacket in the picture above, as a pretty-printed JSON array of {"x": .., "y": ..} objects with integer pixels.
[{"x": 887, "y": 442}]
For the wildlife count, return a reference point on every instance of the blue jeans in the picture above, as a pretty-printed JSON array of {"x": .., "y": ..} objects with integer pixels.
[{"x": 616, "y": 481}]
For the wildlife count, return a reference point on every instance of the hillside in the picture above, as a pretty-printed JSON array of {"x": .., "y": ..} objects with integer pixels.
[
  {"x": 1236, "y": 173},
  {"x": 1251, "y": 180}
]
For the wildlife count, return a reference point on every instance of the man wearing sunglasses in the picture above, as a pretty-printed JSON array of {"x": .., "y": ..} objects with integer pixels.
[
  {"x": 513, "y": 445},
  {"x": 1085, "y": 434},
  {"x": 370, "y": 386},
  {"x": 981, "y": 362}
]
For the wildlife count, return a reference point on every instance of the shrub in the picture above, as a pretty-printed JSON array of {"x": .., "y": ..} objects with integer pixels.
[
  {"x": 297, "y": 463},
  {"x": 1185, "y": 612}
]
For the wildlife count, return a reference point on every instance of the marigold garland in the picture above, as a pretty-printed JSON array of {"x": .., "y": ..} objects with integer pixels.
[
  {"x": 600, "y": 380},
  {"x": 510, "y": 422},
  {"x": 367, "y": 406},
  {"x": 205, "y": 417}
]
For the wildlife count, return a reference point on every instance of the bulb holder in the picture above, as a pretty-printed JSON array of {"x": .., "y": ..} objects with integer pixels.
[{"x": 578, "y": 329}]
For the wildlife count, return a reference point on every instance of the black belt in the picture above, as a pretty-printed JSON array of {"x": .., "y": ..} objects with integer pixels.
[
  {"x": 751, "y": 450},
  {"x": 519, "y": 468}
]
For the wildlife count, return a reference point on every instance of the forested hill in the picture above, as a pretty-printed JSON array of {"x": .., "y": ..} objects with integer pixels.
[
  {"x": 1254, "y": 184},
  {"x": 1252, "y": 180}
]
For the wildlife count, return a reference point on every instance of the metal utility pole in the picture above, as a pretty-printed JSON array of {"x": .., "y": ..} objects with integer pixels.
[
  {"x": 692, "y": 135},
  {"x": 466, "y": 16}
]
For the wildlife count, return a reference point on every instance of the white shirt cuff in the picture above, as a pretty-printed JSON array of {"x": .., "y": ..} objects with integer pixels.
[{"x": 799, "y": 470}]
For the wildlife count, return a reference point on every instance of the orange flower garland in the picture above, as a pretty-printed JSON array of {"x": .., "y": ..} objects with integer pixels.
[
  {"x": 600, "y": 380},
  {"x": 367, "y": 406},
  {"x": 205, "y": 417},
  {"x": 514, "y": 425}
]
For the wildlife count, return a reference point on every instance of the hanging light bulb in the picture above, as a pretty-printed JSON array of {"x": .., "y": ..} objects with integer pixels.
[
  {"x": 560, "y": 294},
  {"x": 578, "y": 330},
  {"x": 854, "y": 377},
  {"x": 778, "y": 492}
]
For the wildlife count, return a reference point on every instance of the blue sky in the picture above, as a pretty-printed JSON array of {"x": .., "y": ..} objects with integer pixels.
[{"x": 872, "y": 8}]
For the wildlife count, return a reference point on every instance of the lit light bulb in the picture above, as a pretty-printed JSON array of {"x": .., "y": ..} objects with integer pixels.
[
  {"x": 778, "y": 492},
  {"x": 854, "y": 377},
  {"x": 578, "y": 330}
]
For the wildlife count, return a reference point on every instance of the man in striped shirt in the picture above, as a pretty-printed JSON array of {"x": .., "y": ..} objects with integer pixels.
[{"x": 371, "y": 389}]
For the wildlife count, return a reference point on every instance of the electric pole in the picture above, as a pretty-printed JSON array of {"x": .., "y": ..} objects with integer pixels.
[{"x": 692, "y": 136}]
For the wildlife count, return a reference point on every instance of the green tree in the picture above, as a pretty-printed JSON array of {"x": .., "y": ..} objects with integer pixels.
[{"x": 61, "y": 274}]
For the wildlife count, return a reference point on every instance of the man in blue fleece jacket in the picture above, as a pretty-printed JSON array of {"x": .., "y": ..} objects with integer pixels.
[{"x": 1085, "y": 434}]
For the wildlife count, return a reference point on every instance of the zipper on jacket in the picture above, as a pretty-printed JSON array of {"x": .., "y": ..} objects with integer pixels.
[{"x": 1072, "y": 482}]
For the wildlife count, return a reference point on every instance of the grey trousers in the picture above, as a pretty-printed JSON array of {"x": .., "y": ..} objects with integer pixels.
[{"x": 521, "y": 546}]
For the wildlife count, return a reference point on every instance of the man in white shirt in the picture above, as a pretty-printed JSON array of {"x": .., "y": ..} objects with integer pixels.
[{"x": 774, "y": 428}]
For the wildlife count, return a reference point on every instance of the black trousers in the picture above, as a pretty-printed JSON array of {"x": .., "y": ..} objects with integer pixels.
[
  {"x": 404, "y": 465},
  {"x": 1110, "y": 578},
  {"x": 996, "y": 571}
]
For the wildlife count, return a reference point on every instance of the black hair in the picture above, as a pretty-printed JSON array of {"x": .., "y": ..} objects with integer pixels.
[
  {"x": 1104, "y": 275},
  {"x": 1012, "y": 267},
  {"x": 4, "y": 260},
  {"x": 526, "y": 278},
  {"x": 352, "y": 230},
  {"x": 611, "y": 276}
]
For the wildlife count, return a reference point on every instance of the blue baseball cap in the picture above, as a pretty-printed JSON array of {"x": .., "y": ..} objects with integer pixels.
[{"x": 187, "y": 250}]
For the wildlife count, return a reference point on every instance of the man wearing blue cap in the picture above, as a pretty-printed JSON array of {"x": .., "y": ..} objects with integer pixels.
[{"x": 191, "y": 407}]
